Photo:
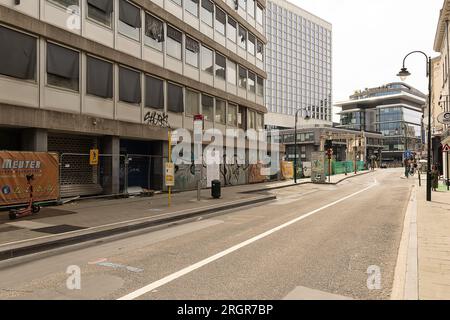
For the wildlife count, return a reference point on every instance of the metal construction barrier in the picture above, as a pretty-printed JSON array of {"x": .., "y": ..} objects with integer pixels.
[
  {"x": 342, "y": 167},
  {"x": 134, "y": 174}
]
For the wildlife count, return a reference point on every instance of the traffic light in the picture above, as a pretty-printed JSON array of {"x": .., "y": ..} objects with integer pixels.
[{"x": 328, "y": 144}]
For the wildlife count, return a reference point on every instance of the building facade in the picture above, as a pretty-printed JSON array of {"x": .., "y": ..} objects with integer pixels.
[
  {"x": 311, "y": 139},
  {"x": 441, "y": 92},
  {"x": 115, "y": 74},
  {"x": 395, "y": 110},
  {"x": 298, "y": 64}
]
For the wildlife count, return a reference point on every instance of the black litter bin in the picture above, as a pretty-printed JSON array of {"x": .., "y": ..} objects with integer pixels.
[{"x": 216, "y": 189}]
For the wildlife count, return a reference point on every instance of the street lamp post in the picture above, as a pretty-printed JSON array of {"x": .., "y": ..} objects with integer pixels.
[
  {"x": 403, "y": 74},
  {"x": 306, "y": 117}
]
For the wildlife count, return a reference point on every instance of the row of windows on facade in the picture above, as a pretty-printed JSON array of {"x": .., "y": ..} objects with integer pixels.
[
  {"x": 274, "y": 10},
  {"x": 300, "y": 51},
  {"x": 289, "y": 56},
  {"x": 130, "y": 25},
  {"x": 296, "y": 32},
  {"x": 18, "y": 60}
]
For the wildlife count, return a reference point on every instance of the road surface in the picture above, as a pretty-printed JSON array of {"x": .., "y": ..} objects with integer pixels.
[{"x": 315, "y": 241}]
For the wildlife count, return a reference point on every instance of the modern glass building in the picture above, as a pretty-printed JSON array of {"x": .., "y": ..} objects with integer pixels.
[
  {"x": 395, "y": 110},
  {"x": 298, "y": 63}
]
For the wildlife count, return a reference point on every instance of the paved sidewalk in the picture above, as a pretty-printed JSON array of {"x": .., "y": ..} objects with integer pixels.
[
  {"x": 92, "y": 219},
  {"x": 433, "y": 223}
]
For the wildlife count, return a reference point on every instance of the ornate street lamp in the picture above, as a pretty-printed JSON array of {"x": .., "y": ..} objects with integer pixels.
[{"x": 403, "y": 74}]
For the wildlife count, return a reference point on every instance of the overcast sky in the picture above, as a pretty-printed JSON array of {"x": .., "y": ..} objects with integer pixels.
[{"x": 371, "y": 37}]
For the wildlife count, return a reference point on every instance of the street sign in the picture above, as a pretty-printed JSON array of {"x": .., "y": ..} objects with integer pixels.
[
  {"x": 407, "y": 154},
  {"x": 446, "y": 148},
  {"x": 444, "y": 118},
  {"x": 170, "y": 174},
  {"x": 93, "y": 157}
]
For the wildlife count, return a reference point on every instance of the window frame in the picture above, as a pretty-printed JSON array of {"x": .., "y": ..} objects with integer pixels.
[
  {"x": 217, "y": 22},
  {"x": 37, "y": 67},
  {"x": 100, "y": 23},
  {"x": 46, "y": 68},
  {"x": 230, "y": 63},
  {"x": 212, "y": 107},
  {"x": 147, "y": 14},
  {"x": 198, "y": 93},
  {"x": 197, "y": 15},
  {"x": 140, "y": 83},
  {"x": 191, "y": 52},
  {"x": 216, "y": 69},
  {"x": 243, "y": 47},
  {"x": 235, "y": 28},
  {"x": 236, "y": 122},
  {"x": 170, "y": 83},
  {"x": 123, "y": 24},
  {"x": 203, "y": 10},
  {"x": 172, "y": 39},
  {"x": 202, "y": 47},
  {"x": 112, "y": 77},
  {"x": 243, "y": 78},
  {"x": 147, "y": 75}
]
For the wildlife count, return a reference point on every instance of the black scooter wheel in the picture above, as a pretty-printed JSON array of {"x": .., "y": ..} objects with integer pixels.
[{"x": 35, "y": 209}]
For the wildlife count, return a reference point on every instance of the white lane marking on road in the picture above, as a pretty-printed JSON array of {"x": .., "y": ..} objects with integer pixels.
[
  {"x": 289, "y": 199},
  {"x": 200, "y": 264}
]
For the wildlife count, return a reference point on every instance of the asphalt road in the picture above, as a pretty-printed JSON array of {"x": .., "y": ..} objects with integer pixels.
[{"x": 313, "y": 242}]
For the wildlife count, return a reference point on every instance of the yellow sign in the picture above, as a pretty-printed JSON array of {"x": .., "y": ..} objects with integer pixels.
[
  {"x": 287, "y": 170},
  {"x": 93, "y": 158},
  {"x": 170, "y": 174}
]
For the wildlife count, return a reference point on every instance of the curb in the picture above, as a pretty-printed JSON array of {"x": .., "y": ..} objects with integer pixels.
[
  {"x": 405, "y": 284},
  {"x": 35, "y": 246},
  {"x": 303, "y": 183}
]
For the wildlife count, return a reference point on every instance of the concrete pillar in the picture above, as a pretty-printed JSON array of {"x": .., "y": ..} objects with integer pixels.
[
  {"x": 111, "y": 180},
  {"x": 34, "y": 140}
]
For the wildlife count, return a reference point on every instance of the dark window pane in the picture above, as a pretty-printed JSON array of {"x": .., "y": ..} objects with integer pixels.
[
  {"x": 154, "y": 32},
  {"x": 62, "y": 67},
  {"x": 99, "y": 80},
  {"x": 175, "y": 98},
  {"x": 104, "y": 5},
  {"x": 174, "y": 34},
  {"x": 129, "y": 86},
  {"x": 62, "y": 62},
  {"x": 154, "y": 93},
  {"x": 129, "y": 14},
  {"x": 17, "y": 54},
  {"x": 220, "y": 66}
]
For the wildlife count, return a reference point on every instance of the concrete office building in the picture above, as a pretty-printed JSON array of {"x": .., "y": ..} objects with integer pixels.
[
  {"x": 298, "y": 65},
  {"x": 395, "y": 110},
  {"x": 114, "y": 74}
]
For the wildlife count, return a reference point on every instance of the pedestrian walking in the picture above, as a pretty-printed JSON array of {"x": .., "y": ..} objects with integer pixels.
[
  {"x": 406, "y": 163},
  {"x": 435, "y": 178}
]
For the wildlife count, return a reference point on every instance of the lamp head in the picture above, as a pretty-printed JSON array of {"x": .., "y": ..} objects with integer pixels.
[{"x": 403, "y": 74}]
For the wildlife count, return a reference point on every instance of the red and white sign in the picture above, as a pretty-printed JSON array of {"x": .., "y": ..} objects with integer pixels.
[{"x": 446, "y": 148}]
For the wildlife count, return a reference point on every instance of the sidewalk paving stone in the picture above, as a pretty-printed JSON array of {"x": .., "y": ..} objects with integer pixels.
[{"x": 433, "y": 244}]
